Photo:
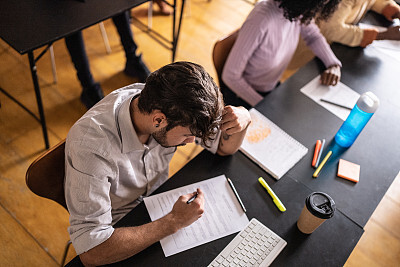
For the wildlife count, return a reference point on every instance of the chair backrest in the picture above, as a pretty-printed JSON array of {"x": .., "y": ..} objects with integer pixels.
[
  {"x": 45, "y": 176},
  {"x": 221, "y": 50}
]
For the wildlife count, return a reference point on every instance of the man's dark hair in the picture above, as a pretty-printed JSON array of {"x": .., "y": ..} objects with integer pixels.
[
  {"x": 306, "y": 10},
  {"x": 188, "y": 97}
]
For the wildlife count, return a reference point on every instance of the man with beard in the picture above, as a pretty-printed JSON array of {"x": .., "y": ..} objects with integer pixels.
[{"x": 119, "y": 152}]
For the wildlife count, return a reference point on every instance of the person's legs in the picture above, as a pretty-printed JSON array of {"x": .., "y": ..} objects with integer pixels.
[
  {"x": 76, "y": 48},
  {"x": 122, "y": 23},
  {"x": 134, "y": 65},
  {"x": 91, "y": 91}
]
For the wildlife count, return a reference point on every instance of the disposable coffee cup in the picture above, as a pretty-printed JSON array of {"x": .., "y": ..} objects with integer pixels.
[{"x": 318, "y": 208}]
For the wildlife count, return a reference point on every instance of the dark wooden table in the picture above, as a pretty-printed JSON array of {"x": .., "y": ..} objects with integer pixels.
[{"x": 29, "y": 25}]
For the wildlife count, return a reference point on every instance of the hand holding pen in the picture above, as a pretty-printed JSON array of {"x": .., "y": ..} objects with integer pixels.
[
  {"x": 188, "y": 209},
  {"x": 192, "y": 198}
]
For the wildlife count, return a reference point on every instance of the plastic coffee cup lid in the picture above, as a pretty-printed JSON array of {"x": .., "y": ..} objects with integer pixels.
[{"x": 321, "y": 205}]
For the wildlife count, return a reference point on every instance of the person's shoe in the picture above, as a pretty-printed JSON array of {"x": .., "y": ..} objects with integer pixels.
[
  {"x": 91, "y": 95},
  {"x": 135, "y": 67}
]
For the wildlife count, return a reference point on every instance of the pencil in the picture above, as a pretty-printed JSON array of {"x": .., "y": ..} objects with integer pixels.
[
  {"x": 336, "y": 104},
  {"x": 318, "y": 170}
]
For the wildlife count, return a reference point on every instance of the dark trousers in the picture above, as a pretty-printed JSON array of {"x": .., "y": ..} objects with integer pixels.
[
  {"x": 230, "y": 98},
  {"x": 76, "y": 48}
]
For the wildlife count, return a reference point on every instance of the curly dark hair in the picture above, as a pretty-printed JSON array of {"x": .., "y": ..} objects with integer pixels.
[
  {"x": 306, "y": 10},
  {"x": 188, "y": 97}
]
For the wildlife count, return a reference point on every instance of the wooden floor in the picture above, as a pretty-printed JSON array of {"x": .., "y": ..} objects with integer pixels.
[{"x": 33, "y": 231}]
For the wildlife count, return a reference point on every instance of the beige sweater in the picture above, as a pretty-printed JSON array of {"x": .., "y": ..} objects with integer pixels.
[{"x": 340, "y": 27}]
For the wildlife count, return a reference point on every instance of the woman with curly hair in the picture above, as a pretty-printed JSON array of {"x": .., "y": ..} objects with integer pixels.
[{"x": 266, "y": 43}]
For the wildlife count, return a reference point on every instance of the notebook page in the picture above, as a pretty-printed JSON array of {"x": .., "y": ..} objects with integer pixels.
[{"x": 270, "y": 147}]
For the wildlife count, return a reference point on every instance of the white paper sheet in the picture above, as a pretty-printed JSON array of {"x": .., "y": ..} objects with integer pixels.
[
  {"x": 389, "y": 47},
  {"x": 340, "y": 93},
  {"x": 222, "y": 216}
]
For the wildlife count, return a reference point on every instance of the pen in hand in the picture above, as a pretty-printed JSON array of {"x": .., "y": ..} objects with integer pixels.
[{"x": 192, "y": 198}]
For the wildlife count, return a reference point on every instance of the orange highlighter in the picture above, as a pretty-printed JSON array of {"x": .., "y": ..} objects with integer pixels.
[{"x": 316, "y": 152}]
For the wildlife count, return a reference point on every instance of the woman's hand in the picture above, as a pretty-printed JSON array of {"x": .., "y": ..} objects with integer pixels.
[{"x": 331, "y": 76}]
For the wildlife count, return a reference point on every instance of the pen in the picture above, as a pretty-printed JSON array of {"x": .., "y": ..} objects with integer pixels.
[
  {"x": 336, "y": 104},
  {"x": 320, "y": 153},
  {"x": 276, "y": 200},
  {"x": 192, "y": 198},
  {"x": 236, "y": 194},
  {"x": 316, "y": 152},
  {"x": 318, "y": 170}
]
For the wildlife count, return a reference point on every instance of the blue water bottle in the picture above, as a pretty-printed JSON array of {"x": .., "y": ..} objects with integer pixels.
[{"x": 365, "y": 107}]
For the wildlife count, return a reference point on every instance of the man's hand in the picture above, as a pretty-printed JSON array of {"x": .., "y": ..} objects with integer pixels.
[
  {"x": 184, "y": 214},
  {"x": 127, "y": 241},
  {"x": 392, "y": 33},
  {"x": 233, "y": 129},
  {"x": 331, "y": 76},
  {"x": 235, "y": 120}
]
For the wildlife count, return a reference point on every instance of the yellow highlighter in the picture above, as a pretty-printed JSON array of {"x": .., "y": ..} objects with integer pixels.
[
  {"x": 318, "y": 170},
  {"x": 276, "y": 200}
]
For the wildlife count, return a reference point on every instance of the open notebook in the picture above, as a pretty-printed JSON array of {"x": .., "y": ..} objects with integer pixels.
[{"x": 270, "y": 147}]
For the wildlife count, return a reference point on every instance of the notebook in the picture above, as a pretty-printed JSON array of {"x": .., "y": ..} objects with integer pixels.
[{"x": 270, "y": 147}]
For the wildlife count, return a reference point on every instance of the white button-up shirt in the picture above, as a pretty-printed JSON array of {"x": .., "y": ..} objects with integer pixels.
[{"x": 108, "y": 170}]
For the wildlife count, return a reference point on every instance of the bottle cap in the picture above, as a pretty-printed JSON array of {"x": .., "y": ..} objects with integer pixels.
[
  {"x": 321, "y": 205},
  {"x": 368, "y": 102}
]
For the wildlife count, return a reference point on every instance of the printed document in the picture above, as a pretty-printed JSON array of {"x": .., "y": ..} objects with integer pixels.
[
  {"x": 340, "y": 94},
  {"x": 222, "y": 215}
]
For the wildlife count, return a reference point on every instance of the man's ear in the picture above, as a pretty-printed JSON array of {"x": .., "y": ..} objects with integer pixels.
[{"x": 158, "y": 119}]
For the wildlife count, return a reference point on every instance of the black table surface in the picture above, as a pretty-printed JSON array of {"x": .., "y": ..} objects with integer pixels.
[
  {"x": 29, "y": 24},
  {"x": 376, "y": 150},
  {"x": 329, "y": 245}
]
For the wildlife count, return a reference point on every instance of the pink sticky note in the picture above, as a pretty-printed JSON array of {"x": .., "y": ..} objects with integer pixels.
[{"x": 349, "y": 170}]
